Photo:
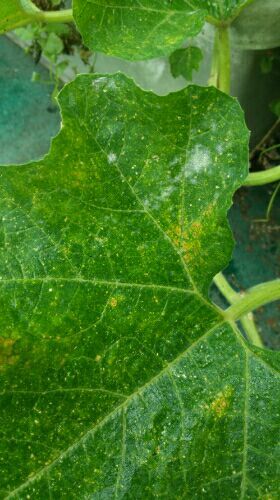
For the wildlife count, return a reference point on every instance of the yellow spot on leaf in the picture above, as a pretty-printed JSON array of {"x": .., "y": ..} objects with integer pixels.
[
  {"x": 221, "y": 403},
  {"x": 190, "y": 238},
  {"x": 7, "y": 357},
  {"x": 113, "y": 302}
]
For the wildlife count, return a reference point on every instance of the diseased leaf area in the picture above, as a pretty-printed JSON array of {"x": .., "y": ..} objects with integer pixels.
[
  {"x": 137, "y": 30},
  {"x": 184, "y": 61},
  {"x": 119, "y": 379},
  {"x": 11, "y": 15},
  {"x": 146, "y": 29}
]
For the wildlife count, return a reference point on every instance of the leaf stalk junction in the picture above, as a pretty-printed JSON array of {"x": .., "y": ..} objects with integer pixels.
[
  {"x": 242, "y": 305},
  {"x": 60, "y": 16}
]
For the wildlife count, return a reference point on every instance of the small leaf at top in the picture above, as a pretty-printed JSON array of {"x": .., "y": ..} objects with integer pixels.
[
  {"x": 184, "y": 61},
  {"x": 119, "y": 379},
  {"x": 151, "y": 28}
]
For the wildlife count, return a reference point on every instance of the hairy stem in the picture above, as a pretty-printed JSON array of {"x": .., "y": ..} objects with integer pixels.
[
  {"x": 59, "y": 16},
  {"x": 264, "y": 177},
  {"x": 220, "y": 69},
  {"x": 232, "y": 297},
  {"x": 224, "y": 59},
  {"x": 255, "y": 297},
  {"x": 214, "y": 75}
]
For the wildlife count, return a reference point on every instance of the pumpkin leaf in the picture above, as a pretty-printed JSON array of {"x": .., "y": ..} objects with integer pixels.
[
  {"x": 132, "y": 30},
  {"x": 118, "y": 377},
  {"x": 184, "y": 61}
]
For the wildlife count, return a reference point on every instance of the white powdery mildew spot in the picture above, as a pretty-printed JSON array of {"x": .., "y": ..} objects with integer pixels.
[
  {"x": 102, "y": 79},
  {"x": 197, "y": 160},
  {"x": 220, "y": 149},
  {"x": 112, "y": 158}
]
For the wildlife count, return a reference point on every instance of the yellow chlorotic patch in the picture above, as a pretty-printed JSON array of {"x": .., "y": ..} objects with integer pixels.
[
  {"x": 221, "y": 403},
  {"x": 113, "y": 302},
  {"x": 188, "y": 240},
  {"x": 6, "y": 352}
]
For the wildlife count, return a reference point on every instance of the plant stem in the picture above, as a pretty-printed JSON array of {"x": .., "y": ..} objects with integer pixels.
[
  {"x": 220, "y": 69},
  {"x": 267, "y": 135},
  {"x": 220, "y": 77},
  {"x": 264, "y": 177},
  {"x": 214, "y": 75},
  {"x": 59, "y": 16},
  {"x": 224, "y": 59},
  {"x": 271, "y": 148},
  {"x": 232, "y": 297},
  {"x": 29, "y": 7},
  {"x": 255, "y": 297}
]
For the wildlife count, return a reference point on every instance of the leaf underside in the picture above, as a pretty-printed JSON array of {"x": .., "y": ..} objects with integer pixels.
[
  {"x": 142, "y": 30},
  {"x": 119, "y": 379}
]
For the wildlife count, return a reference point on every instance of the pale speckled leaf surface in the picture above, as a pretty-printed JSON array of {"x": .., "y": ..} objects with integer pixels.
[
  {"x": 118, "y": 377},
  {"x": 141, "y": 30},
  {"x": 11, "y": 15}
]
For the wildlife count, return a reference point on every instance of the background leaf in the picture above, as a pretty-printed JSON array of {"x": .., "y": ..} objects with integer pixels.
[
  {"x": 118, "y": 377},
  {"x": 222, "y": 10},
  {"x": 184, "y": 61},
  {"x": 148, "y": 29}
]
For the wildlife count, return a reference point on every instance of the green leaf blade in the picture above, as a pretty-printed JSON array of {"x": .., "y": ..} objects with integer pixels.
[
  {"x": 137, "y": 31},
  {"x": 142, "y": 31}
]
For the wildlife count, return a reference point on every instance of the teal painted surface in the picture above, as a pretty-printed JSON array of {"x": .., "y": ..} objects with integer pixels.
[
  {"x": 27, "y": 116},
  {"x": 27, "y": 122},
  {"x": 257, "y": 255}
]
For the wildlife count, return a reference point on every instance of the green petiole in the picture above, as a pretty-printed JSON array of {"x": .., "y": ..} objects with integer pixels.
[{"x": 60, "y": 16}]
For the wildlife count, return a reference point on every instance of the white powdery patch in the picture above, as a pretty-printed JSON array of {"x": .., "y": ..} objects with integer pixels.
[
  {"x": 112, "y": 158},
  {"x": 220, "y": 149},
  {"x": 98, "y": 81},
  {"x": 197, "y": 160}
]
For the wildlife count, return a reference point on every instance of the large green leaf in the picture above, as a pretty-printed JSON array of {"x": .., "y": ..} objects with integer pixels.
[
  {"x": 119, "y": 379},
  {"x": 12, "y": 15},
  {"x": 141, "y": 30},
  {"x": 258, "y": 26}
]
